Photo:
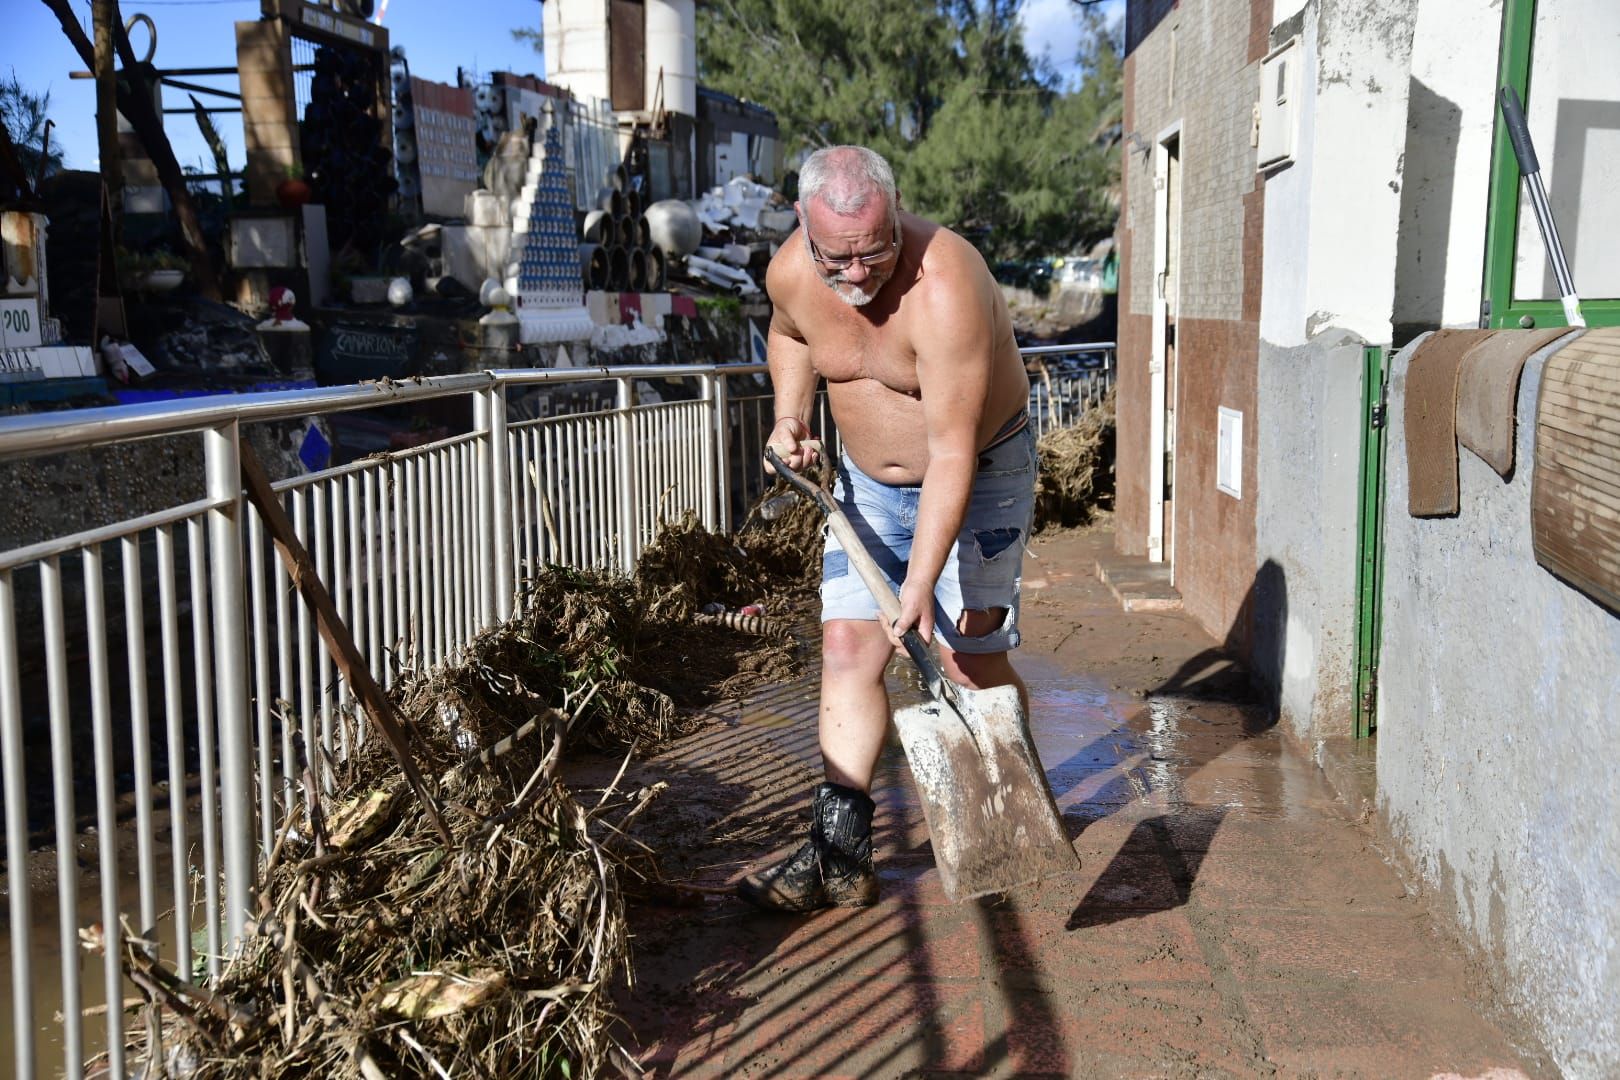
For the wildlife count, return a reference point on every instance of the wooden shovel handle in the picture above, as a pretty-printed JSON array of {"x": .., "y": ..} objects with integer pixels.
[{"x": 888, "y": 603}]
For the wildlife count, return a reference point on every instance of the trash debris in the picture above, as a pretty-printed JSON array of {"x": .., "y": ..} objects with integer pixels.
[
  {"x": 376, "y": 949},
  {"x": 1076, "y": 479}
]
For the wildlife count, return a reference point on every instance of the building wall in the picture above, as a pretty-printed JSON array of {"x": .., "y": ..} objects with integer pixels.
[
  {"x": 1498, "y": 693},
  {"x": 1445, "y": 175},
  {"x": 1194, "y": 63},
  {"x": 1333, "y": 220},
  {"x": 1306, "y": 535},
  {"x": 1134, "y": 337}
]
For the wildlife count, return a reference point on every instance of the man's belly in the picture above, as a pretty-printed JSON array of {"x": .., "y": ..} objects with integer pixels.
[{"x": 881, "y": 429}]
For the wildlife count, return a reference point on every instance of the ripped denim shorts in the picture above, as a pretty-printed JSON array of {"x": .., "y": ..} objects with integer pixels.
[{"x": 983, "y": 569}]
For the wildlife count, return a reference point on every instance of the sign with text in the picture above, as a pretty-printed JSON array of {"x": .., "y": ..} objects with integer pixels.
[
  {"x": 355, "y": 352},
  {"x": 19, "y": 323},
  {"x": 20, "y": 365},
  {"x": 446, "y": 153}
]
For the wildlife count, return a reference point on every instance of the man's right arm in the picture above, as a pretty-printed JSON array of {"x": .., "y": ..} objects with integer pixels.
[{"x": 793, "y": 378}]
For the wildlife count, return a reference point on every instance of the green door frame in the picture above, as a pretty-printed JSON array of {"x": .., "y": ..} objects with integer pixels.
[
  {"x": 1502, "y": 310},
  {"x": 1370, "y": 539}
]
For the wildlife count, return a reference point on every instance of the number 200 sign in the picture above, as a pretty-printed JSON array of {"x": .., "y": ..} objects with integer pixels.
[{"x": 19, "y": 323}]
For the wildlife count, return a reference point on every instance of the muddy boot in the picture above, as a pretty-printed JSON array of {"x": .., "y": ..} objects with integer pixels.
[{"x": 831, "y": 869}]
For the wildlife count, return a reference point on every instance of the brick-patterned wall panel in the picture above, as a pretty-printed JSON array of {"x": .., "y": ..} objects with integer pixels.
[
  {"x": 1212, "y": 96},
  {"x": 1131, "y": 436},
  {"x": 1214, "y": 532}
]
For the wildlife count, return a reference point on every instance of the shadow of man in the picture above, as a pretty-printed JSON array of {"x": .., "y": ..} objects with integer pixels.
[{"x": 1212, "y": 703}]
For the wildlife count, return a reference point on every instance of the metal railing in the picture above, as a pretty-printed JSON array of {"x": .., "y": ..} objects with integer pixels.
[{"x": 175, "y": 643}]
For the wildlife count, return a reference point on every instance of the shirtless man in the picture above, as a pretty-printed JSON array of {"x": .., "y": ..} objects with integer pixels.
[{"x": 903, "y": 320}]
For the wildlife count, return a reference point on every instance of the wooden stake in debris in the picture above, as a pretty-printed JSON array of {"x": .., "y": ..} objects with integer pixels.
[{"x": 301, "y": 568}]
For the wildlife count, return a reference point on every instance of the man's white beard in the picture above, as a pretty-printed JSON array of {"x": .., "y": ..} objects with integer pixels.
[{"x": 850, "y": 294}]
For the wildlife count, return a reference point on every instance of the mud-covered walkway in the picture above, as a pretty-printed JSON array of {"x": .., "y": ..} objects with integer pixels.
[{"x": 1229, "y": 919}]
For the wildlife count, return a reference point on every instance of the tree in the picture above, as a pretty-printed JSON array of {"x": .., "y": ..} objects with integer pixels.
[
  {"x": 981, "y": 136},
  {"x": 24, "y": 115}
]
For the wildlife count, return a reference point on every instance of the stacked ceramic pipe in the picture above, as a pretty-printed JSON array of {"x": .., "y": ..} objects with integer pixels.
[{"x": 616, "y": 250}]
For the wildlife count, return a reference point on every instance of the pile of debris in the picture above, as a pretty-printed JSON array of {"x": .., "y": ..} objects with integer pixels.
[
  {"x": 724, "y": 240},
  {"x": 380, "y": 950},
  {"x": 1076, "y": 478}
]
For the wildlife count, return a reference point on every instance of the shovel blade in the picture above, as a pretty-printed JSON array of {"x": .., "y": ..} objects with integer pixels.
[{"x": 989, "y": 809}]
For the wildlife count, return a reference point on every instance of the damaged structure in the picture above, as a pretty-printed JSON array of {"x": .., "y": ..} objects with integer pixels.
[
  {"x": 1311, "y": 190},
  {"x": 537, "y": 216}
]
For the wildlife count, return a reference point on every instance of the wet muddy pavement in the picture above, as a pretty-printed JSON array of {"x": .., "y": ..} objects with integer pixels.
[{"x": 1228, "y": 920}]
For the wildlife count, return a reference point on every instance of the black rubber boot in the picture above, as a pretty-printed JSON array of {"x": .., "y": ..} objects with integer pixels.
[{"x": 831, "y": 869}]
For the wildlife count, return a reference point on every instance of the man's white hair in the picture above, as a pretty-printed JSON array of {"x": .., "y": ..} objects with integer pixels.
[{"x": 844, "y": 178}]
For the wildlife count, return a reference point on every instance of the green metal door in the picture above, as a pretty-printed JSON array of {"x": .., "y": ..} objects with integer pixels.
[{"x": 1370, "y": 545}]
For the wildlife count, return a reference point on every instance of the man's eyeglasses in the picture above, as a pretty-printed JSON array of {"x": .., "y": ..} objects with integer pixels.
[{"x": 837, "y": 265}]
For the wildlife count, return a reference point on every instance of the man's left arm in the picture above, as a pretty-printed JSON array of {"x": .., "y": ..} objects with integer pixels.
[{"x": 954, "y": 348}]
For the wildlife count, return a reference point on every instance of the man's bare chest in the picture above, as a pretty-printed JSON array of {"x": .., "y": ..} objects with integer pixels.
[{"x": 845, "y": 353}]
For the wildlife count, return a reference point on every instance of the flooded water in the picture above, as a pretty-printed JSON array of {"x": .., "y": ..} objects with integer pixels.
[{"x": 47, "y": 951}]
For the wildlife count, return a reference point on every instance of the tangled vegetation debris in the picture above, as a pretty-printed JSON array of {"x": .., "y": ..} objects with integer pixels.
[
  {"x": 377, "y": 950},
  {"x": 1076, "y": 478}
]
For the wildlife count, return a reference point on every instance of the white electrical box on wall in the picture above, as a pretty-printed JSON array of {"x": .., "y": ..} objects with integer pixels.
[
  {"x": 1229, "y": 452},
  {"x": 1279, "y": 105}
]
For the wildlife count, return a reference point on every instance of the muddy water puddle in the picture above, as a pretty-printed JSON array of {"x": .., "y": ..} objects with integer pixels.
[{"x": 47, "y": 950}]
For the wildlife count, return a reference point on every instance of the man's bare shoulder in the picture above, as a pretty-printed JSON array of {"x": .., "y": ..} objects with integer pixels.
[
  {"x": 784, "y": 284},
  {"x": 953, "y": 273},
  {"x": 784, "y": 277}
]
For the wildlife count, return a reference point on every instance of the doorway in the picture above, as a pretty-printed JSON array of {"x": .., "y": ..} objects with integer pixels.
[{"x": 1167, "y": 184}]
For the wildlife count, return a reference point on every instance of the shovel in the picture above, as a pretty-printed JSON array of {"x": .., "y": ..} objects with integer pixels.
[{"x": 989, "y": 809}]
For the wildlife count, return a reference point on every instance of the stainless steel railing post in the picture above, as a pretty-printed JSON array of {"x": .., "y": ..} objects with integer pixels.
[
  {"x": 495, "y": 539},
  {"x": 722, "y": 451},
  {"x": 223, "y": 469},
  {"x": 625, "y": 464},
  {"x": 11, "y": 750}
]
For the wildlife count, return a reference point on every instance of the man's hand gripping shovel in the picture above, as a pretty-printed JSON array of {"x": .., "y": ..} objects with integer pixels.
[{"x": 989, "y": 809}]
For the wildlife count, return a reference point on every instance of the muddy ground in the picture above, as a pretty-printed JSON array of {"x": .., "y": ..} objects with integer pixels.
[{"x": 1229, "y": 918}]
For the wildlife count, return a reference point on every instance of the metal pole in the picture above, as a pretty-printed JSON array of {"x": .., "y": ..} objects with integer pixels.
[
  {"x": 11, "y": 751},
  {"x": 174, "y": 727},
  {"x": 483, "y": 531},
  {"x": 722, "y": 451},
  {"x": 140, "y": 732},
  {"x": 224, "y": 473},
  {"x": 707, "y": 452},
  {"x": 626, "y": 454},
  {"x": 67, "y": 837},
  {"x": 500, "y": 512},
  {"x": 112, "y": 955}
]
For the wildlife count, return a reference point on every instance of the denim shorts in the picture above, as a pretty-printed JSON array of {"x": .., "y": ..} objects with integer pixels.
[{"x": 983, "y": 568}]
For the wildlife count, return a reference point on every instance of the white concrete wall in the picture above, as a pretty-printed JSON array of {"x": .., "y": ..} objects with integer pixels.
[
  {"x": 672, "y": 49},
  {"x": 1499, "y": 691},
  {"x": 1305, "y": 532},
  {"x": 1445, "y": 181},
  {"x": 576, "y": 46},
  {"x": 1351, "y": 144},
  {"x": 1286, "y": 258},
  {"x": 1573, "y": 110},
  {"x": 1331, "y": 239}
]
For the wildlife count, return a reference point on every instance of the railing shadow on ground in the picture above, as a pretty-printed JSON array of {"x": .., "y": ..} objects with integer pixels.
[{"x": 434, "y": 581}]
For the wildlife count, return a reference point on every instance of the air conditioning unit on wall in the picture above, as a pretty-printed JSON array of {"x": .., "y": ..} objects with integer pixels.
[{"x": 1278, "y": 109}]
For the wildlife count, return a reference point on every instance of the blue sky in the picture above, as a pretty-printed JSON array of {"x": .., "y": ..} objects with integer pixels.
[{"x": 438, "y": 35}]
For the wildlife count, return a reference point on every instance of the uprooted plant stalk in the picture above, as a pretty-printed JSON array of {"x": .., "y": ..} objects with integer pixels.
[{"x": 378, "y": 950}]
